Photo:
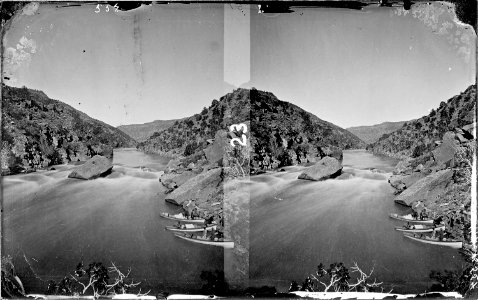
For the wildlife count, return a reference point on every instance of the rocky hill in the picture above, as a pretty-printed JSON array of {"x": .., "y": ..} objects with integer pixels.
[
  {"x": 371, "y": 134},
  {"x": 281, "y": 133},
  {"x": 141, "y": 132},
  {"x": 189, "y": 135},
  {"x": 38, "y": 132},
  {"x": 435, "y": 173},
  {"x": 420, "y": 136}
]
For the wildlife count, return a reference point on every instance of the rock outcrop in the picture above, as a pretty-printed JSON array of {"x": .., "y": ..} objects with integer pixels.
[
  {"x": 402, "y": 182},
  {"x": 97, "y": 166},
  {"x": 327, "y": 167},
  {"x": 427, "y": 189},
  {"x": 215, "y": 152},
  {"x": 445, "y": 152},
  {"x": 204, "y": 189}
]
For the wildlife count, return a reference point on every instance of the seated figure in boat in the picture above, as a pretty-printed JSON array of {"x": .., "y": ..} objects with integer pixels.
[{"x": 415, "y": 215}]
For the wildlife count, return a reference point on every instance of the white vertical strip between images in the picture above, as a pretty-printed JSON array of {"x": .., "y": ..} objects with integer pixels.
[
  {"x": 473, "y": 198},
  {"x": 237, "y": 43}
]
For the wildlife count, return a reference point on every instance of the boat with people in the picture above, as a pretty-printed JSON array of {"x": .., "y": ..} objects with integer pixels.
[
  {"x": 207, "y": 241},
  {"x": 190, "y": 227},
  {"x": 435, "y": 241},
  {"x": 411, "y": 219},
  {"x": 420, "y": 228},
  {"x": 182, "y": 218}
]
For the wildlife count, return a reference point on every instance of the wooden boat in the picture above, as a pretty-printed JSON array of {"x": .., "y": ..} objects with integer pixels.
[
  {"x": 206, "y": 241},
  {"x": 181, "y": 218},
  {"x": 190, "y": 228},
  {"x": 435, "y": 241},
  {"x": 409, "y": 218},
  {"x": 420, "y": 228}
]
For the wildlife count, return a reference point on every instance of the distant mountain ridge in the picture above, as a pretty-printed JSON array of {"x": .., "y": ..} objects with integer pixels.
[
  {"x": 281, "y": 133},
  {"x": 419, "y": 136},
  {"x": 38, "y": 132},
  {"x": 371, "y": 134},
  {"x": 141, "y": 132}
]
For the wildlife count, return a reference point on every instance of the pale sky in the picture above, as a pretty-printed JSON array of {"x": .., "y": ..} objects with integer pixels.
[
  {"x": 168, "y": 61},
  {"x": 362, "y": 67},
  {"x": 157, "y": 62}
]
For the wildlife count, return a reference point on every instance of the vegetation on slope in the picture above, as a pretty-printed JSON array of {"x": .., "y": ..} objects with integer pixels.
[
  {"x": 141, "y": 132},
  {"x": 281, "y": 133},
  {"x": 189, "y": 135},
  {"x": 418, "y": 136},
  {"x": 38, "y": 132},
  {"x": 371, "y": 134}
]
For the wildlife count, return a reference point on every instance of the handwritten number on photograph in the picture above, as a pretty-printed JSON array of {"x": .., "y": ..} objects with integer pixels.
[
  {"x": 107, "y": 9},
  {"x": 239, "y": 127}
]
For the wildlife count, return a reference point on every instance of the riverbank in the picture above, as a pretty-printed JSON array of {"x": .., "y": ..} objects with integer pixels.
[{"x": 439, "y": 183}]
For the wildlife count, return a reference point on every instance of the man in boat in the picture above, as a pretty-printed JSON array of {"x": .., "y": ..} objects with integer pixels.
[
  {"x": 437, "y": 221},
  {"x": 421, "y": 215},
  {"x": 414, "y": 215},
  {"x": 440, "y": 235},
  {"x": 210, "y": 220}
]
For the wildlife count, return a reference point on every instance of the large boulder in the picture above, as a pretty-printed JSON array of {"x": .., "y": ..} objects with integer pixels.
[
  {"x": 172, "y": 180},
  {"x": 427, "y": 188},
  {"x": 402, "y": 182},
  {"x": 215, "y": 152},
  {"x": 445, "y": 153},
  {"x": 469, "y": 131},
  {"x": 201, "y": 188},
  {"x": 327, "y": 167},
  {"x": 95, "y": 167}
]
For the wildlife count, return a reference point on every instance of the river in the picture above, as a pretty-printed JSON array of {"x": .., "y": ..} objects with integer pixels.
[
  {"x": 296, "y": 224},
  {"x": 51, "y": 222}
]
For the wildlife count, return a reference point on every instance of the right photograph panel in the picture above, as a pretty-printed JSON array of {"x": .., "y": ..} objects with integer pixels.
[{"x": 362, "y": 142}]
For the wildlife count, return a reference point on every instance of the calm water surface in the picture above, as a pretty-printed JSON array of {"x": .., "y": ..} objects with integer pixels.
[{"x": 51, "y": 223}]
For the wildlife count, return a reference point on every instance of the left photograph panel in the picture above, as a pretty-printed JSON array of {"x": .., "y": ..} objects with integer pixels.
[{"x": 119, "y": 170}]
